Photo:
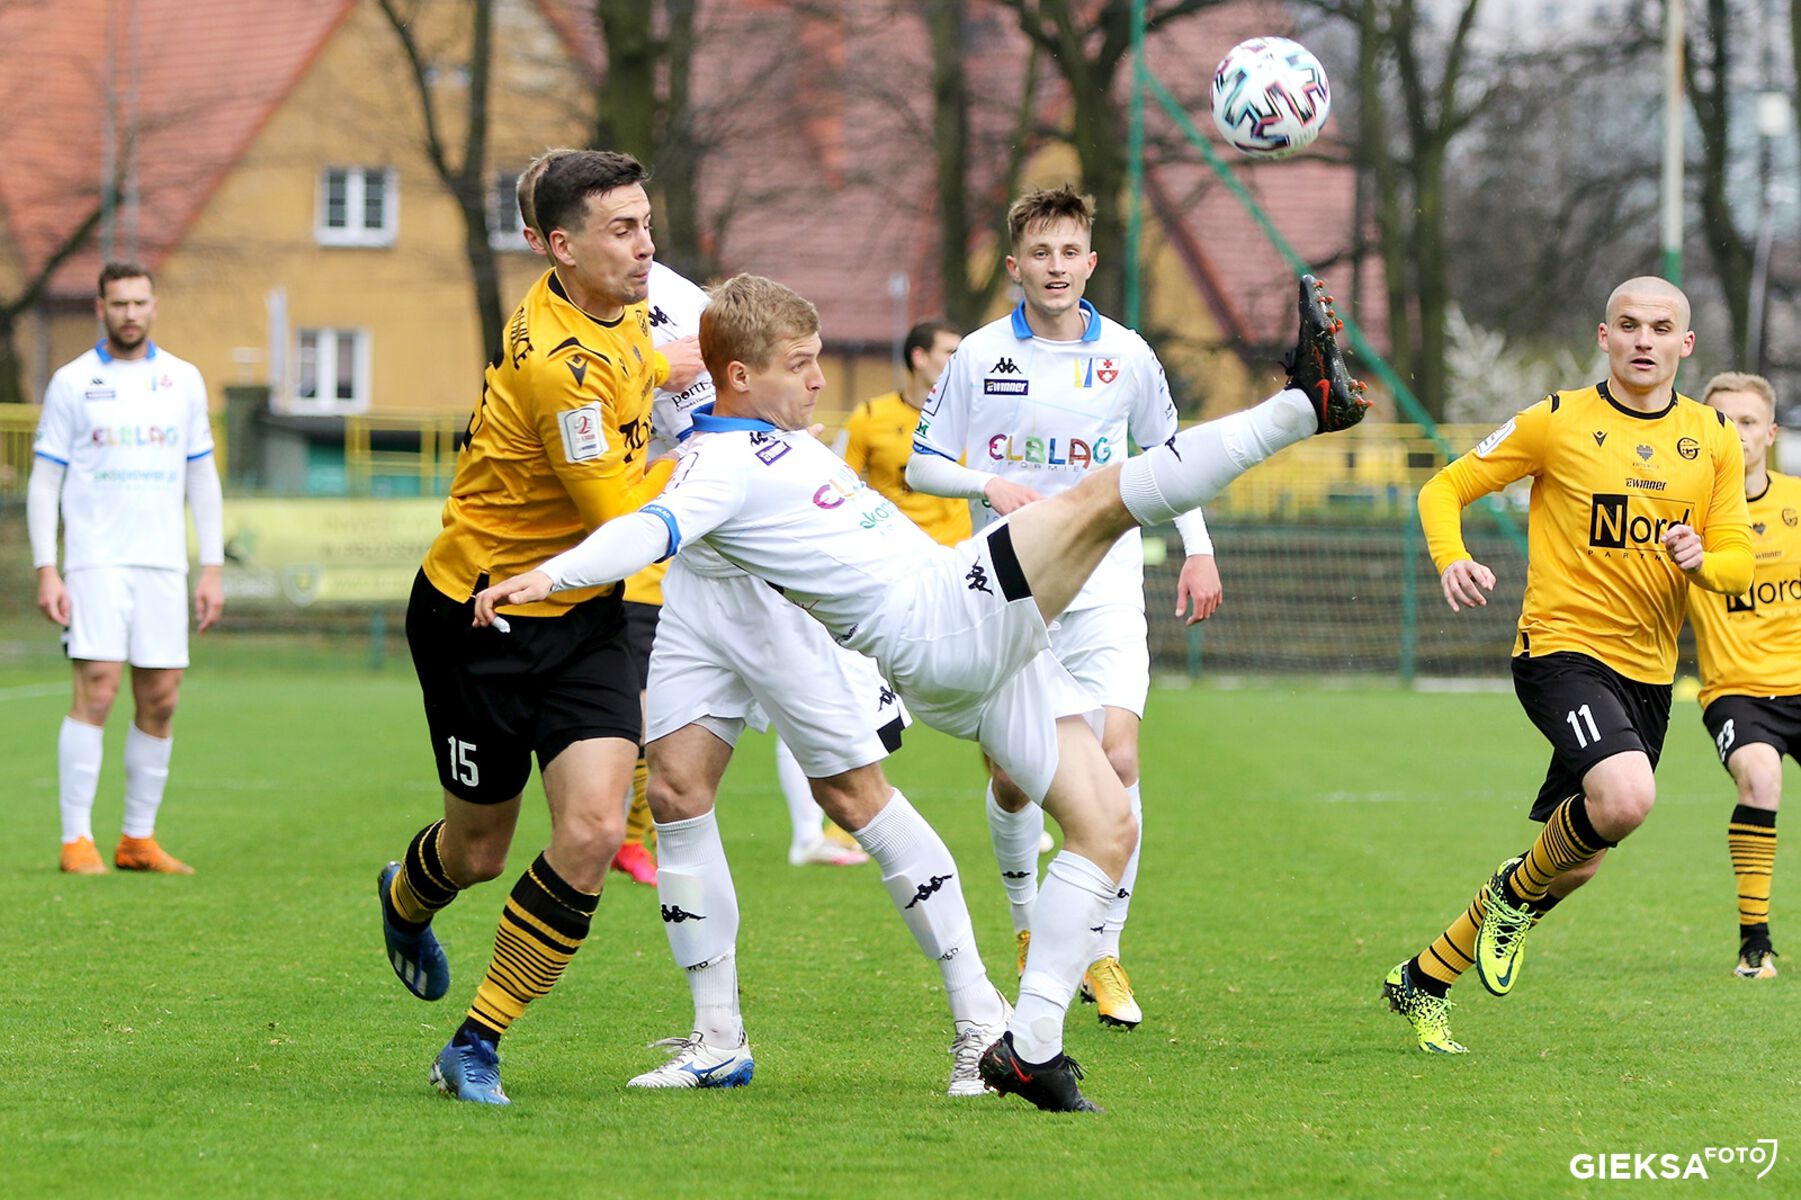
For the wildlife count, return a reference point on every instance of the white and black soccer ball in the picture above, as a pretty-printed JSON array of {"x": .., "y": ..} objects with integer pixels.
[{"x": 1270, "y": 97}]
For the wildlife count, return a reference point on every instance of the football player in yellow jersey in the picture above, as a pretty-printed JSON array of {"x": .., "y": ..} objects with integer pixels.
[
  {"x": 556, "y": 447},
  {"x": 879, "y": 435},
  {"x": 1750, "y": 650},
  {"x": 1637, "y": 498}
]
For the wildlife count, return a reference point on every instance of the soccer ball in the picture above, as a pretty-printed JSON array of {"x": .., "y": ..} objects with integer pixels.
[{"x": 1270, "y": 97}]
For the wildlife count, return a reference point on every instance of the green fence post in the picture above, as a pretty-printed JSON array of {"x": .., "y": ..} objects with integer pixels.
[
  {"x": 1194, "y": 651},
  {"x": 378, "y": 639}
]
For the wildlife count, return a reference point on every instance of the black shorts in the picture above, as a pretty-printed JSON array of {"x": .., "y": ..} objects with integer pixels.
[
  {"x": 641, "y": 632},
  {"x": 492, "y": 699},
  {"x": 1588, "y": 712},
  {"x": 1734, "y": 721}
]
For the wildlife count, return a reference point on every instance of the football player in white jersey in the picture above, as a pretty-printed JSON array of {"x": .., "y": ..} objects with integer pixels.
[
  {"x": 1032, "y": 403},
  {"x": 837, "y": 718},
  {"x": 123, "y": 445},
  {"x": 960, "y": 630}
]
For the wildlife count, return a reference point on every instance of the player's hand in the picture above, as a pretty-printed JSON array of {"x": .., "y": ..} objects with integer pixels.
[
  {"x": 684, "y": 363},
  {"x": 209, "y": 598},
  {"x": 520, "y": 589},
  {"x": 1464, "y": 582},
  {"x": 1199, "y": 582},
  {"x": 53, "y": 597},
  {"x": 1684, "y": 546},
  {"x": 1005, "y": 496}
]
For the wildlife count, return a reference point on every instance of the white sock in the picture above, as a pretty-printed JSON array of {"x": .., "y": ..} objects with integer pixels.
[
  {"x": 1121, "y": 906},
  {"x": 700, "y": 916},
  {"x": 1015, "y": 837},
  {"x": 805, "y": 818},
  {"x": 921, "y": 878},
  {"x": 79, "y": 748},
  {"x": 1065, "y": 928},
  {"x": 1196, "y": 465},
  {"x": 146, "y": 774}
]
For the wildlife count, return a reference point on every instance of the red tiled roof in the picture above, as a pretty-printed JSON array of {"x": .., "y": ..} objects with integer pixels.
[{"x": 208, "y": 75}]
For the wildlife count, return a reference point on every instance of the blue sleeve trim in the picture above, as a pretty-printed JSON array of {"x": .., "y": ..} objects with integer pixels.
[
  {"x": 668, "y": 519},
  {"x": 61, "y": 462},
  {"x": 202, "y": 454},
  {"x": 921, "y": 448}
]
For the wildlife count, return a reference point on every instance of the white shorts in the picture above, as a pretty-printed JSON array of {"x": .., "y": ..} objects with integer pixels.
[
  {"x": 1107, "y": 649},
  {"x": 963, "y": 641},
  {"x": 731, "y": 652},
  {"x": 137, "y": 615}
]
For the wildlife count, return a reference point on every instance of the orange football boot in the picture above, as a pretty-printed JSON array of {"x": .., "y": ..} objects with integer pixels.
[{"x": 143, "y": 854}]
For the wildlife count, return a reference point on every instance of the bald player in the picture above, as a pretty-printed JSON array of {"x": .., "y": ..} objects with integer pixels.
[{"x": 1638, "y": 496}]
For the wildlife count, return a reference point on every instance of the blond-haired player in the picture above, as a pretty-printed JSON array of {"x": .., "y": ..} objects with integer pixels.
[{"x": 1750, "y": 651}]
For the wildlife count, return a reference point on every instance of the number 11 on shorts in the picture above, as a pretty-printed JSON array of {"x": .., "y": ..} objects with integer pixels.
[
  {"x": 1594, "y": 734},
  {"x": 462, "y": 761}
]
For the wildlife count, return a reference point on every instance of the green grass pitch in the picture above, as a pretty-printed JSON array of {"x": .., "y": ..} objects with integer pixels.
[{"x": 239, "y": 1033}]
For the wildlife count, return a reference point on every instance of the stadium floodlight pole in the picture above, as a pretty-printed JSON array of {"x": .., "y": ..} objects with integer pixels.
[
  {"x": 1674, "y": 14},
  {"x": 1135, "y": 170}
]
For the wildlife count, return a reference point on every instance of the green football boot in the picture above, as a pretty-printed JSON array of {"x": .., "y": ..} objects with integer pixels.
[
  {"x": 1501, "y": 942},
  {"x": 1428, "y": 1014}
]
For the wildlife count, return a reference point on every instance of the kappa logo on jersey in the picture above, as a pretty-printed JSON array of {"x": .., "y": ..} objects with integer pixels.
[
  {"x": 1621, "y": 521},
  {"x": 1766, "y": 593},
  {"x": 584, "y": 438},
  {"x": 978, "y": 579},
  {"x": 1005, "y": 366},
  {"x": 927, "y": 890},
  {"x": 659, "y": 317},
  {"x": 1095, "y": 372},
  {"x": 1044, "y": 452}
]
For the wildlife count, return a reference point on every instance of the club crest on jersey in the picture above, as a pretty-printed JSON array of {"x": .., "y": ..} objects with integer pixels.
[
  {"x": 1095, "y": 372},
  {"x": 1789, "y": 517},
  {"x": 584, "y": 437},
  {"x": 1049, "y": 452},
  {"x": 1688, "y": 448}
]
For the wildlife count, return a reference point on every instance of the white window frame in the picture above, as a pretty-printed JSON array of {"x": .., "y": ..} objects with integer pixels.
[
  {"x": 358, "y": 232},
  {"x": 506, "y": 231},
  {"x": 325, "y": 366}
]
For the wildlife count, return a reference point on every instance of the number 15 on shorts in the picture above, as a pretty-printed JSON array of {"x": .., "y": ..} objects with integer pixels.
[{"x": 461, "y": 755}]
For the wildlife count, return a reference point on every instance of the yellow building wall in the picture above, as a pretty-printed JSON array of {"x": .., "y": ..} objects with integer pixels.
[{"x": 355, "y": 107}]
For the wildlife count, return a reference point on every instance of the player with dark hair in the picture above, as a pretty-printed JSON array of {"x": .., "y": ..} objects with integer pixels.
[{"x": 556, "y": 448}]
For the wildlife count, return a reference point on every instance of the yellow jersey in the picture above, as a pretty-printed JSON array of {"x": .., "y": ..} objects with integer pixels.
[
  {"x": 1607, "y": 482},
  {"x": 881, "y": 441},
  {"x": 1750, "y": 644},
  {"x": 555, "y": 448}
]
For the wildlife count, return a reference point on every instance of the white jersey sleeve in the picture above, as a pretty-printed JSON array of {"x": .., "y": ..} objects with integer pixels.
[
  {"x": 56, "y": 433},
  {"x": 708, "y": 489},
  {"x": 676, "y": 303},
  {"x": 1152, "y": 416},
  {"x": 944, "y": 417},
  {"x": 199, "y": 441}
]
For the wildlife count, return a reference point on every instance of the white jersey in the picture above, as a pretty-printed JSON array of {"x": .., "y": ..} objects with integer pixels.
[
  {"x": 779, "y": 504},
  {"x": 1043, "y": 414},
  {"x": 675, "y": 307},
  {"x": 676, "y": 303},
  {"x": 125, "y": 431}
]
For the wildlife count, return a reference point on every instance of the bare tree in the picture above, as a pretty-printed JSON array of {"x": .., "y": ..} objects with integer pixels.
[
  {"x": 1087, "y": 43},
  {"x": 1708, "y": 64},
  {"x": 12, "y": 368},
  {"x": 465, "y": 180}
]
